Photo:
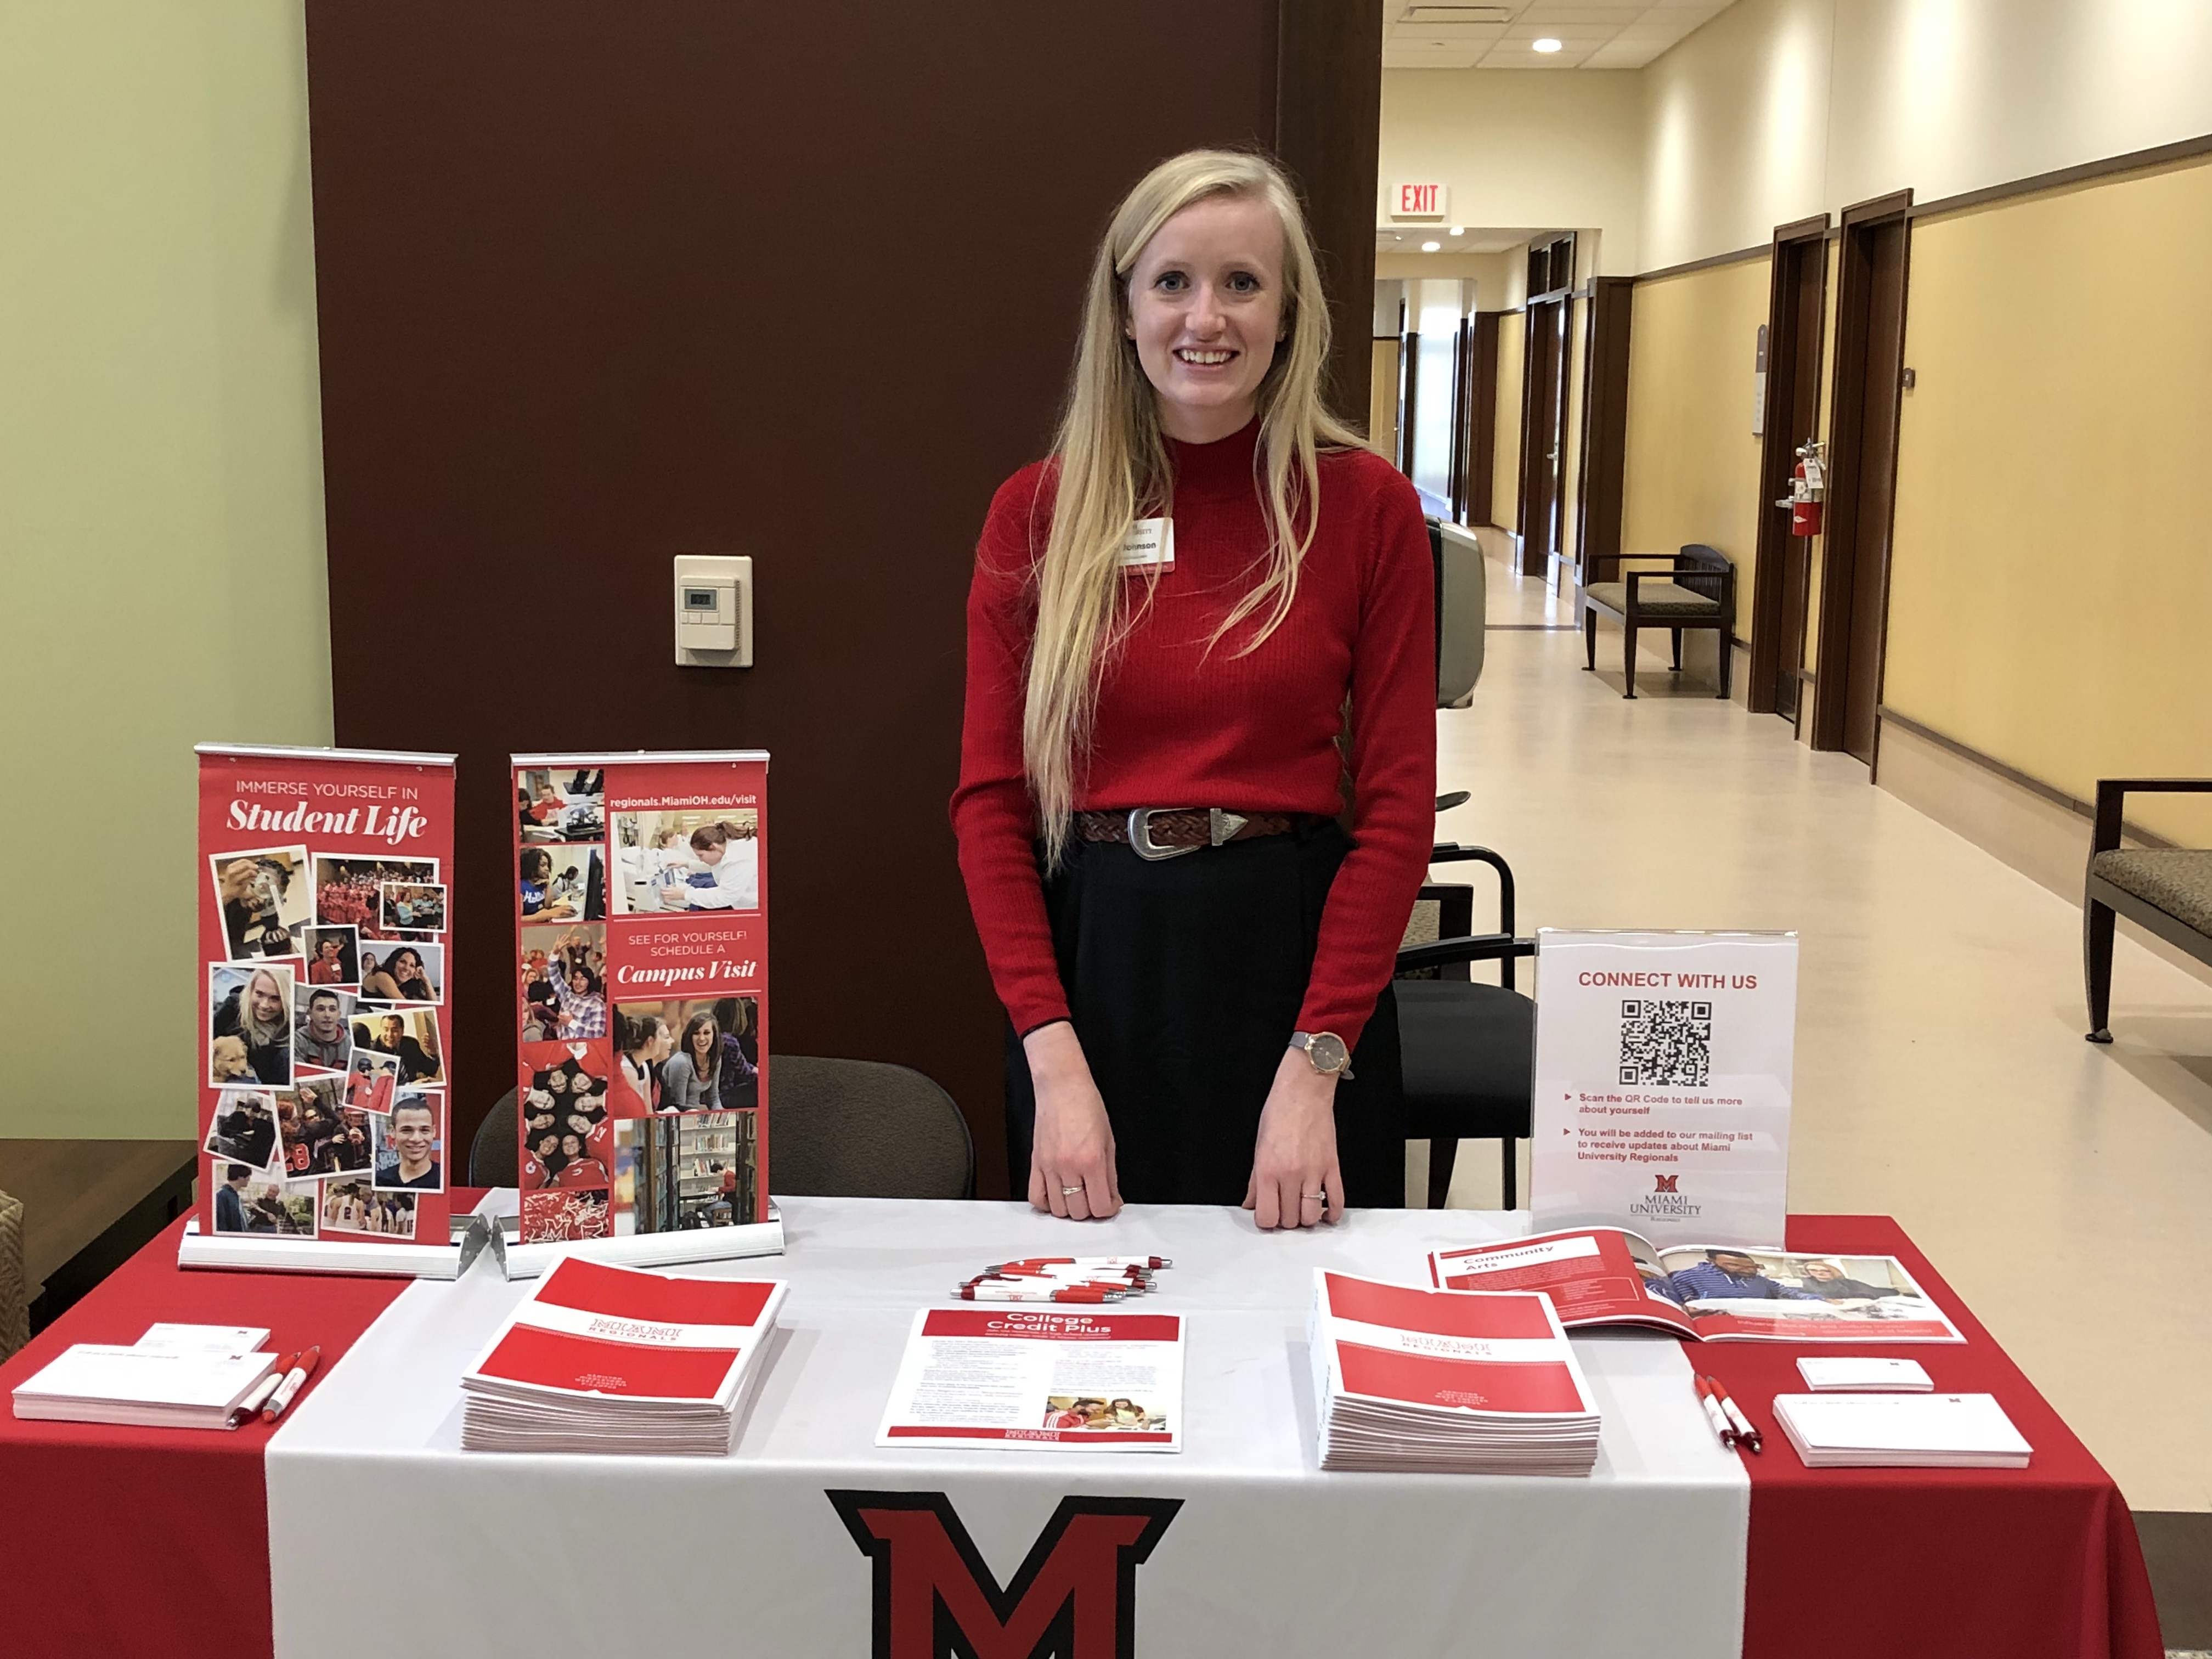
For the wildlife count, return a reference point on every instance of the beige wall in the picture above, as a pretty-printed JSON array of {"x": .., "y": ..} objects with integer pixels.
[
  {"x": 2049, "y": 583},
  {"x": 1778, "y": 109},
  {"x": 1692, "y": 472},
  {"x": 1538, "y": 149},
  {"x": 161, "y": 514}
]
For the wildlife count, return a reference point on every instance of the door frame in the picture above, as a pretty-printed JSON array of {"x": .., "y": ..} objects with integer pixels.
[
  {"x": 1853, "y": 402},
  {"x": 1787, "y": 391},
  {"x": 1481, "y": 462}
]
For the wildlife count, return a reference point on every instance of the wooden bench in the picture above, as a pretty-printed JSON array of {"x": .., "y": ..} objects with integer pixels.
[
  {"x": 1699, "y": 591},
  {"x": 2166, "y": 890}
]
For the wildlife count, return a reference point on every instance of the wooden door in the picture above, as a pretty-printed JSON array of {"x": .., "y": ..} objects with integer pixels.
[
  {"x": 1543, "y": 434},
  {"x": 1481, "y": 461},
  {"x": 1797, "y": 297},
  {"x": 1871, "y": 278}
]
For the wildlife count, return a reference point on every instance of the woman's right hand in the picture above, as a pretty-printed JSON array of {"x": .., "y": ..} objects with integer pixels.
[{"x": 1074, "y": 1144}]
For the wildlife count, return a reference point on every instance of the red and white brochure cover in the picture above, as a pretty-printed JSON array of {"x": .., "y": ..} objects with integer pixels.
[
  {"x": 1713, "y": 1293},
  {"x": 641, "y": 898},
  {"x": 1488, "y": 1352},
  {"x": 325, "y": 1061},
  {"x": 591, "y": 1331},
  {"x": 1035, "y": 1379},
  {"x": 1446, "y": 1380}
]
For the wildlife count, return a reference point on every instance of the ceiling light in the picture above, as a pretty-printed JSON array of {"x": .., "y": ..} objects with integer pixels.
[
  {"x": 1459, "y": 230},
  {"x": 1431, "y": 247},
  {"x": 1546, "y": 46}
]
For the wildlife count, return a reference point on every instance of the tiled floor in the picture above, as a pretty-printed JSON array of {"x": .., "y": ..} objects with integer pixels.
[{"x": 1940, "y": 1074}]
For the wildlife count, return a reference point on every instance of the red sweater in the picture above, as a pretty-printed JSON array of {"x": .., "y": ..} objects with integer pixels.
[{"x": 1178, "y": 726}]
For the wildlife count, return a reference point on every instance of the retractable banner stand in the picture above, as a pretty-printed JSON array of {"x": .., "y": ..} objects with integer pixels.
[
  {"x": 324, "y": 1058},
  {"x": 1663, "y": 1083},
  {"x": 642, "y": 976}
]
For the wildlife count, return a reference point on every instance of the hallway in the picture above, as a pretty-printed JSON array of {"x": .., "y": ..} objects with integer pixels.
[{"x": 1941, "y": 1075}]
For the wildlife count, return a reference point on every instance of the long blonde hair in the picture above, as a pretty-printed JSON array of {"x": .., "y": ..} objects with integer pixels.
[{"x": 1112, "y": 462}]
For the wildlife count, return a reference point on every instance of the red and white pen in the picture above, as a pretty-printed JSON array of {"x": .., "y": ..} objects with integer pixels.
[
  {"x": 1147, "y": 1261},
  {"x": 1038, "y": 1276},
  {"x": 1715, "y": 1415},
  {"x": 246, "y": 1408},
  {"x": 990, "y": 1292},
  {"x": 1746, "y": 1435},
  {"x": 294, "y": 1380}
]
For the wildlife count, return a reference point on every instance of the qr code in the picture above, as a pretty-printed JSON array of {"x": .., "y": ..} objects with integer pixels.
[{"x": 1669, "y": 1043}]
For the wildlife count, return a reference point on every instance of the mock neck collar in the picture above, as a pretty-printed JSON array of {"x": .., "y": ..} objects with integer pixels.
[{"x": 1221, "y": 468}]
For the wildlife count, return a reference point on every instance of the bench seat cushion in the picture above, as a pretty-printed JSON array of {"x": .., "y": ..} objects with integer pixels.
[
  {"x": 1654, "y": 599},
  {"x": 2175, "y": 879}
]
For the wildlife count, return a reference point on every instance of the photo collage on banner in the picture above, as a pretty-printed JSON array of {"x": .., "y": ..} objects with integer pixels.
[
  {"x": 325, "y": 929},
  {"x": 641, "y": 974}
]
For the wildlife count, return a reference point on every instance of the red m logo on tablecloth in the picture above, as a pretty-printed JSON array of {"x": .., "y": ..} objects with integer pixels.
[
  {"x": 1664, "y": 1183},
  {"x": 1075, "y": 1596}
]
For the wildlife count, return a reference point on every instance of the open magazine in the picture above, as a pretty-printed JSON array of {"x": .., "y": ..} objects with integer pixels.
[{"x": 1716, "y": 1293}]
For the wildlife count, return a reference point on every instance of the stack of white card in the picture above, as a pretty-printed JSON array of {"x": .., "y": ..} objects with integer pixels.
[
  {"x": 1901, "y": 1431},
  {"x": 175, "y": 1377},
  {"x": 1847, "y": 1374},
  {"x": 1450, "y": 1382},
  {"x": 602, "y": 1358}
]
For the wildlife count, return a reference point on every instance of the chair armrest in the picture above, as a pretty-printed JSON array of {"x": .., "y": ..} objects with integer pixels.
[
  {"x": 1452, "y": 852},
  {"x": 1479, "y": 947},
  {"x": 2111, "y": 801}
]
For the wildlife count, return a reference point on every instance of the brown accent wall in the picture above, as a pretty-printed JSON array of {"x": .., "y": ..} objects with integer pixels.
[{"x": 600, "y": 284}]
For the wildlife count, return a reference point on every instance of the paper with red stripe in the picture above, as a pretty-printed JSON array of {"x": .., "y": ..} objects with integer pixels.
[{"x": 1038, "y": 1378}]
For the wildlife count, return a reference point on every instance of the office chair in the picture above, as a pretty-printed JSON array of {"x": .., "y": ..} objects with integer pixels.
[
  {"x": 860, "y": 1128},
  {"x": 1468, "y": 1049}
]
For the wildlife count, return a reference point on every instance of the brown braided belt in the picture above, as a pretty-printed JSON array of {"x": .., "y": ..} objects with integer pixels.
[{"x": 1161, "y": 832}]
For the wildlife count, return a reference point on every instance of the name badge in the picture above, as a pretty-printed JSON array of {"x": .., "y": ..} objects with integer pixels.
[{"x": 1150, "y": 545}]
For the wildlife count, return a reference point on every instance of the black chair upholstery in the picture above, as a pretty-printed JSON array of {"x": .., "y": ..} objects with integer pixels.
[
  {"x": 495, "y": 1155},
  {"x": 1468, "y": 1049},
  {"x": 860, "y": 1128}
]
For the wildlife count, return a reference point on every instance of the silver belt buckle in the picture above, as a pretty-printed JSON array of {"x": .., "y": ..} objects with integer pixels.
[{"x": 1220, "y": 826}]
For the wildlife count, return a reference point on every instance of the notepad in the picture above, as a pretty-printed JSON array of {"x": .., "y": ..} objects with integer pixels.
[
  {"x": 1845, "y": 1373},
  {"x": 153, "y": 1388},
  {"x": 1901, "y": 1431}
]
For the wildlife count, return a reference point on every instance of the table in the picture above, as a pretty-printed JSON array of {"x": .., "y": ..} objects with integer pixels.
[
  {"x": 122, "y": 1541},
  {"x": 2040, "y": 1563},
  {"x": 367, "y": 1493},
  {"x": 378, "y": 1523}
]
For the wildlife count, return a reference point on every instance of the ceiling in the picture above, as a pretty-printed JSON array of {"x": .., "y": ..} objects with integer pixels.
[
  {"x": 1591, "y": 33},
  {"x": 1408, "y": 239}
]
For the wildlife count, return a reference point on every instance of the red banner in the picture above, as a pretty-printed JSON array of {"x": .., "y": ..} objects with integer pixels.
[
  {"x": 325, "y": 1045},
  {"x": 641, "y": 989}
]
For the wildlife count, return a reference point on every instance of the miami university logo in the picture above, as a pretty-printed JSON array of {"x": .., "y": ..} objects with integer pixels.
[
  {"x": 1075, "y": 1597},
  {"x": 1664, "y": 1183}
]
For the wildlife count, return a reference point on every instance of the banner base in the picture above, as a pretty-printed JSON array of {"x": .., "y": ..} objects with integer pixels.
[
  {"x": 251, "y": 1253},
  {"x": 499, "y": 1215}
]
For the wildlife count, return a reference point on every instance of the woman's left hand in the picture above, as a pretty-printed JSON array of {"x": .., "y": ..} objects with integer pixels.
[{"x": 1295, "y": 1179}]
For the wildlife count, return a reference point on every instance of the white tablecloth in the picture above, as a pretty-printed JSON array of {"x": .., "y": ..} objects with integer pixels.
[{"x": 384, "y": 1535}]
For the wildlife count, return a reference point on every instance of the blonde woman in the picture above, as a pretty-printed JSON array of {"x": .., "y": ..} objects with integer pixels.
[{"x": 1180, "y": 608}]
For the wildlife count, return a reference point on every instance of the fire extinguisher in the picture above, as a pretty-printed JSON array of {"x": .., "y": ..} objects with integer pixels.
[{"x": 1809, "y": 482}]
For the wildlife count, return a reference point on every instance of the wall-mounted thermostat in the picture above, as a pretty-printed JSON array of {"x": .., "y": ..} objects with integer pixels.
[{"x": 713, "y": 610}]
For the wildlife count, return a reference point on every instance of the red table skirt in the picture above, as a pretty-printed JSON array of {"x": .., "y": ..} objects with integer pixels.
[
  {"x": 2040, "y": 1563},
  {"x": 117, "y": 1542}
]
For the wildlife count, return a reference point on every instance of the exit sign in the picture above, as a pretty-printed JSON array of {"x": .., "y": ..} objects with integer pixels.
[{"x": 1417, "y": 200}]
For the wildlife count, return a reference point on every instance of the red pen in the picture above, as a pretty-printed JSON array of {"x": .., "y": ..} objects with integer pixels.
[
  {"x": 1717, "y": 1417},
  {"x": 1091, "y": 1261},
  {"x": 1744, "y": 1434},
  {"x": 258, "y": 1396},
  {"x": 1025, "y": 1293},
  {"x": 294, "y": 1380}
]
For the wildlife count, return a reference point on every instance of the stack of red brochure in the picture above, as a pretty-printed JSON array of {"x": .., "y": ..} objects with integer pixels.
[
  {"x": 611, "y": 1359},
  {"x": 1452, "y": 1382}
]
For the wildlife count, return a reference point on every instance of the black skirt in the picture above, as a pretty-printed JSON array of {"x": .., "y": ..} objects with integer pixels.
[{"x": 1185, "y": 978}]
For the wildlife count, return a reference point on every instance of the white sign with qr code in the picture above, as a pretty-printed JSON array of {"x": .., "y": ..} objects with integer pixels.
[{"x": 1663, "y": 1083}]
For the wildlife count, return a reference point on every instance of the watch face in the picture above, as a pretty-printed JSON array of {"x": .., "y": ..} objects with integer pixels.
[{"x": 1326, "y": 1051}]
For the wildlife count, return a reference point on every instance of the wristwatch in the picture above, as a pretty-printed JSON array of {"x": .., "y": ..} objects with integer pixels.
[{"x": 1326, "y": 1050}]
